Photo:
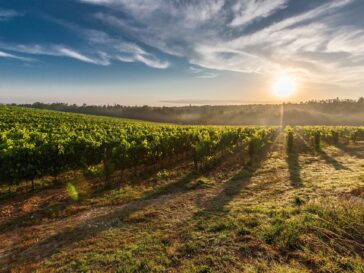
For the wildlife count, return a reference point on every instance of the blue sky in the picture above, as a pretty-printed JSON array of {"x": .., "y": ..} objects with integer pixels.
[{"x": 179, "y": 51}]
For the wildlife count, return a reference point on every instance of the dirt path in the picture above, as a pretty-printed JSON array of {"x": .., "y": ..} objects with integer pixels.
[{"x": 169, "y": 214}]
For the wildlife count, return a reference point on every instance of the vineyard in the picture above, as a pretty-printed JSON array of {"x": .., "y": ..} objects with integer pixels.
[
  {"x": 334, "y": 135},
  {"x": 34, "y": 144},
  {"x": 131, "y": 196}
]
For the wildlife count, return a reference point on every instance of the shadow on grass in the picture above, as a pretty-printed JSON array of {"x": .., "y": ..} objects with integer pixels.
[
  {"x": 48, "y": 183},
  {"x": 294, "y": 169},
  {"x": 93, "y": 226},
  {"x": 233, "y": 187},
  {"x": 34, "y": 217},
  {"x": 330, "y": 160},
  {"x": 355, "y": 152},
  {"x": 48, "y": 212}
]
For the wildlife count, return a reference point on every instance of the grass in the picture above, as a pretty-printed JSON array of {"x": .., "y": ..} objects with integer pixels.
[{"x": 232, "y": 218}]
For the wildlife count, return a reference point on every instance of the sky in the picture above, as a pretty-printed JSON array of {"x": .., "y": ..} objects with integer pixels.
[{"x": 176, "y": 52}]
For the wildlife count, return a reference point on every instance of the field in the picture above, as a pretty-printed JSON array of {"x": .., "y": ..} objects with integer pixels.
[{"x": 94, "y": 194}]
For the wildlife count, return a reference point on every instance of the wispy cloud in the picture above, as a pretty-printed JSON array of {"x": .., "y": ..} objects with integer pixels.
[
  {"x": 109, "y": 48},
  {"x": 150, "y": 61},
  {"x": 102, "y": 49},
  {"x": 117, "y": 51},
  {"x": 102, "y": 60},
  {"x": 52, "y": 50},
  {"x": 251, "y": 10},
  {"x": 315, "y": 41},
  {"x": 6, "y": 15},
  {"x": 202, "y": 73},
  {"x": 12, "y": 56},
  {"x": 308, "y": 44},
  {"x": 123, "y": 51}
]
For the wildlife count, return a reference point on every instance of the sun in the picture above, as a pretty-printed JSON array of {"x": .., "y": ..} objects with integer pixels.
[{"x": 284, "y": 87}]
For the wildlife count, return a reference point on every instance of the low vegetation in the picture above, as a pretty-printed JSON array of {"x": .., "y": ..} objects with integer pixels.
[{"x": 272, "y": 201}]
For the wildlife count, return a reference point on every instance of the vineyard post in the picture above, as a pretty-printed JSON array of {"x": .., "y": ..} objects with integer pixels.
[
  {"x": 317, "y": 141},
  {"x": 336, "y": 137},
  {"x": 282, "y": 115},
  {"x": 289, "y": 141},
  {"x": 251, "y": 149},
  {"x": 195, "y": 161},
  {"x": 106, "y": 162}
]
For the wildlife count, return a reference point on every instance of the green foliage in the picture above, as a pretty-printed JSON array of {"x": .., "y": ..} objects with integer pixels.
[
  {"x": 72, "y": 191},
  {"x": 331, "y": 134},
  {"x": 164, "y": 174},
  {"x": 38, "y": 143}
]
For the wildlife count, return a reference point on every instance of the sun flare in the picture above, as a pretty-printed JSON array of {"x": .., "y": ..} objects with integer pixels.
[{"x": 284, "y": 87}]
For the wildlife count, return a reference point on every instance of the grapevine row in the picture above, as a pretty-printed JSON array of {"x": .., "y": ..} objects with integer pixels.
[
  {"x": 37, "y": 143},
  {"x": 334, "y": 135}
]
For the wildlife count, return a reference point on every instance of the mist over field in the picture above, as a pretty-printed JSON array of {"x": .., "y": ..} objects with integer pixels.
[{"x": 328, "y": 112}]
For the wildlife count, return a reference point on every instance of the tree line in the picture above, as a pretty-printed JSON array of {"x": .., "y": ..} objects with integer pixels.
[{"x": 319, "y": 112}]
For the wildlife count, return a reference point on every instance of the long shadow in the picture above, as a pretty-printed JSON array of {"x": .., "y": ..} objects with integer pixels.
[
  {"x": 330, "y": 160},
  {"x": 301, "y": 145},
  {"x": 351, "y": 151},
  {"x": 37, "y": 216},
  {"x": 143, "y": 173},
  {"x": 91, "y": 227},
  {"x": 30, "y": 218},
  {"x": 294, "y": 169},
  {"x": 233, "y": 187}
]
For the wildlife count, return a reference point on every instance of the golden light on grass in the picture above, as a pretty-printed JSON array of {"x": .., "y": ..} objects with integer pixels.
[{"x": 284, "y": 87}]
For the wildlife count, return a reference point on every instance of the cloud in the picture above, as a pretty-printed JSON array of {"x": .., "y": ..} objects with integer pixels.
[
  {"x": 214, "y": 35},
  {"x": 191, "y": 11},
  {"x": 113, "y": 48},
  {"x": 103, "y": 60},
  {"x": 6, "y": 15},
  {"x": 11, "y": 56},
  {"x": 101, "y": 48},
  {"x": 201, "y": 73},
  {"x": 123, "y": 51},
  {"x": 53, "y": 50},
  {"x": 116, "y": 50},
  {"x": 97, "y": 1},
  {"x": 150, "y": 61},
  {"x": 313, "y": 40},
  {"x": 248, "y": 11}
]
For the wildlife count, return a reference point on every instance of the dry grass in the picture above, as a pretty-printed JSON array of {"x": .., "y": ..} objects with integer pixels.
[{"x": 297, "y": 213}]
